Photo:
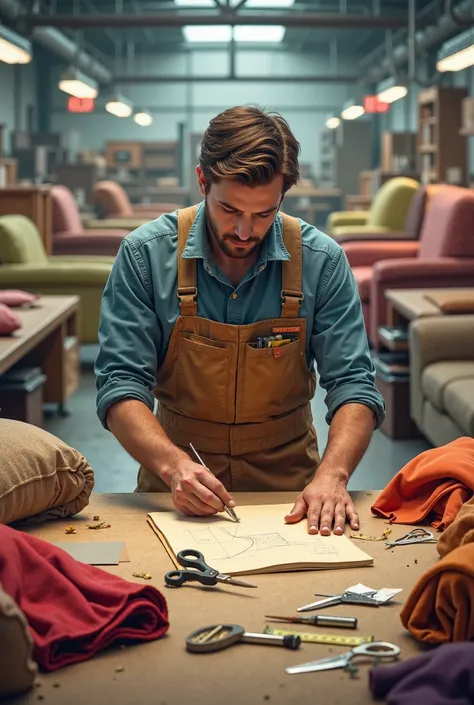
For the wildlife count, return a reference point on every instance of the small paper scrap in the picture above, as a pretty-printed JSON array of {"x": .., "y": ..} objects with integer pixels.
[{"x": 382, "y": 596}]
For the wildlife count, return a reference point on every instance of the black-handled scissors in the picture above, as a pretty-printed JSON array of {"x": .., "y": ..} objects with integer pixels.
[{"x": 200, "y": 571}]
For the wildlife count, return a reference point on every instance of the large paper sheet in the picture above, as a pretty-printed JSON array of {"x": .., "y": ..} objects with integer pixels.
[{"x": 260, "y": 543}]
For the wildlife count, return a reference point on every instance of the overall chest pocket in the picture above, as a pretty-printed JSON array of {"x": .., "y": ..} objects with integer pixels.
[
  {"x": 206, "y": 379},
  {"x": 273, "y": 384}
]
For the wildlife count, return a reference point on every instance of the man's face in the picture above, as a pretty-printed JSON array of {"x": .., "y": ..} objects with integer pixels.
[{"x": 239, "y": 217}]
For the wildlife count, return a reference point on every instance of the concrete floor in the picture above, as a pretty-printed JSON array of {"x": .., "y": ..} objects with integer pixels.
[{"x": 115, "y": 470}]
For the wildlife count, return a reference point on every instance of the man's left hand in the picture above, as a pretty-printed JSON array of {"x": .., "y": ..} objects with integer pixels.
[{"x": 327, "y": 504}]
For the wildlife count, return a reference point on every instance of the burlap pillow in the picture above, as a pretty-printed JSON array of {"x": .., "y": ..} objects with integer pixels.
[
  {"x": 17, "y": 669},
  {"x": 41, "y": 477}
]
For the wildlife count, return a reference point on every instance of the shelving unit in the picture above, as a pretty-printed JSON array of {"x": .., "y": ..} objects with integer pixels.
[
  {"x": 344, "y": 152},
  {"x": 148, "y": 171},
  {"x": 441, "y": 148},
  {"x": 399, "y": 152}
]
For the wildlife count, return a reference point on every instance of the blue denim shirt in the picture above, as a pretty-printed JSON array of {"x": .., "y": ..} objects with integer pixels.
[{"x": 140, "y": 307}]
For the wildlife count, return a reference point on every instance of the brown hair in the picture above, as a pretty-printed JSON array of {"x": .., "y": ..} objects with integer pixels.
[{"x": 247, "y": 144}]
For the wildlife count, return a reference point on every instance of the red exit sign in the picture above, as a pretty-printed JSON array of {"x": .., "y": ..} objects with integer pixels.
[
  {"x": 373, "y": 105},
  {"x": 80, "y": 105}
]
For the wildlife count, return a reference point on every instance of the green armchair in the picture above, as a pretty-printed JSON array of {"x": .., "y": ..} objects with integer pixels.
[
  {"x": 25, "y": 265},
  {"x": 387, "y": 214}
]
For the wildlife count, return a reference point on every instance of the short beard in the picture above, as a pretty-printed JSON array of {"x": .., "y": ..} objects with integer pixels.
[{"x": 222, "y": 243}]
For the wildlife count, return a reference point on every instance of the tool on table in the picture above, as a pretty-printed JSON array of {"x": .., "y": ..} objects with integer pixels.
[
  {"x": 348, "y": 598},
  {"x": 329, "y": 639},
  {"x": 319, "y": 620},
  {"x": 355, "y": 595},
  {"x": 418, "y": 535},
  {"x": 200, "y": 571},
  {"x": 229, "y": 510},
  {"x": 377, "y": 650},
  {"x": 221, "y": 636}
]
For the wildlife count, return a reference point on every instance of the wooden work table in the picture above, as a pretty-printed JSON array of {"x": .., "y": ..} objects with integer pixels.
[{"x": 164, "y": 673}]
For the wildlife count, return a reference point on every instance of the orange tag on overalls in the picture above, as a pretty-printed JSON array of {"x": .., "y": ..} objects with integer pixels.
[
  {"x": 277, "y": 352},
  {"x": 287, "y": 329}
]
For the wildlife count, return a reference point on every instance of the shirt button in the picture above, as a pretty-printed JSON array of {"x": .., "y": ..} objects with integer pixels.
[
  {"x": 234, "y": 295},
  {"x": 261, "y": 268}
]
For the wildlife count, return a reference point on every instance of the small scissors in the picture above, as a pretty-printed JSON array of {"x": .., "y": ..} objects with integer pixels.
[
  {"x": 377, "y": 649},
  {"x": 200, "y": 571},
  {"x": 419, "y": 535}
]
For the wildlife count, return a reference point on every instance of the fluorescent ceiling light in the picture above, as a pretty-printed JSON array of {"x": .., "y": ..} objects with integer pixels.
[
  {"x": 352, "y": 112},
  {"x": 205, "y": 33},
  {"x": 143, "y": 118},
  {"x": 332, "y": 123},
  {"x": 78, "y": 84},
  {"x": 14, "y": 49},
  {"x": 392, "y": 90},
  {"x": 242, "y": 33},
  {"x": 457, "y": 54},
  {"x": 119, "y": 106},
  {"x": 256, "y": 33}
]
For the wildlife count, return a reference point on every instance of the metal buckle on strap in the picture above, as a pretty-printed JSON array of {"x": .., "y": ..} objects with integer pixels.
[
  {"x": 292, "y": 294},
  {"x": 187, "y": 291}
]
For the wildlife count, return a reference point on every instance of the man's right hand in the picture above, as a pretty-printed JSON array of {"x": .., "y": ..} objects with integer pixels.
[{"x": 195, "y": 490}]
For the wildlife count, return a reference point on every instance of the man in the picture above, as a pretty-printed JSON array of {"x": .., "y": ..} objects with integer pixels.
[{"x": 220, "y": 311}]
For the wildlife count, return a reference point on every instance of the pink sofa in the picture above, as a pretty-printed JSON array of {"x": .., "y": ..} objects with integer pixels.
[
  {"x": 69, "y": 236},
  {"x": 443, "y": 256},
  {"x": 112, "y": 202}
]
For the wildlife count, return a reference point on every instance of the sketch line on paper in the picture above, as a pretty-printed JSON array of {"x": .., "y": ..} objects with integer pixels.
[{"x": 225, "y": 544}]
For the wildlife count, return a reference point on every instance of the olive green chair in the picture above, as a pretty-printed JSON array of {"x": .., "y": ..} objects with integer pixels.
[
  {"x": 25, "y": 265},
  {"x": 387, "y": 214}
]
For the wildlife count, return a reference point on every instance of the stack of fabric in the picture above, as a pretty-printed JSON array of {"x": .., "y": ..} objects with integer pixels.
[{"x": 436, "y": 486}]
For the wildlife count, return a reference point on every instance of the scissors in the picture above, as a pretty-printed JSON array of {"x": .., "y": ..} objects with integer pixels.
[
  {"x": 377, "y": 649},
  {"x": 200, "y": 571},
  {"x": 419, "y": 535}
]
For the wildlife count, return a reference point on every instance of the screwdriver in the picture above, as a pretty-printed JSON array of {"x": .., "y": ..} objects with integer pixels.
[{"x": 319, "y": 620}]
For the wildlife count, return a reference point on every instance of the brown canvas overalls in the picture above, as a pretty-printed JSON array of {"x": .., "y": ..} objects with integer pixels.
[{"x": 247, "y": 410}]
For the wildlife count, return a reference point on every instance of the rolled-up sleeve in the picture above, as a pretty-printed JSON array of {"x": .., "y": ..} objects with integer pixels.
[
  {"x": 129, "y": 335},
  {"x": 339, "y": 342}
]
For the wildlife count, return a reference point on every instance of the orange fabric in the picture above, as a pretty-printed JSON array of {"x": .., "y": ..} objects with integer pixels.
[
  {"x": 460, "y": 532},
  {"x": 433, "y": 486},
  {"x": 440, "y": 607}
]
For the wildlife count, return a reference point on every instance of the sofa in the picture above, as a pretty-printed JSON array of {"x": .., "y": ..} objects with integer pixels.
[
  {"x": 386, "y": 215},
  {"x": 69, "y": 235},
  {"x": 25, "y": 265},
  {"x": 442, "y": 376},
  {"x": 443, "y": 256}
]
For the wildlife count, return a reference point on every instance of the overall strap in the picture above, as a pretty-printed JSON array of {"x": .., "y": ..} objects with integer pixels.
[
  {"x": 187, "y": 285},
  {"x": 292, "y": 270}
]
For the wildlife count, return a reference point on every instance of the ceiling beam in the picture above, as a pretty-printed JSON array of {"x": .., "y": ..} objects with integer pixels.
[
  {"x": 324, "y": 78},
  {"x": 159, "y": 19}
]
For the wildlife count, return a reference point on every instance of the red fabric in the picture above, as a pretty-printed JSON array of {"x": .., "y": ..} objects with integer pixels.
[
  {"x": 9, "y": 321},
  {"x": 16, "y": 297},
  {"x": 433, "y": 486},
  {"x": 363, "y": 277},
  {"x": 75, "y": 610}
]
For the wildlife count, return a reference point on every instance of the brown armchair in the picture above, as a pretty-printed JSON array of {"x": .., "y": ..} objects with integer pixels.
[
  {"x": 112, "y": 201},
  {"x": 444, "y": 256}
]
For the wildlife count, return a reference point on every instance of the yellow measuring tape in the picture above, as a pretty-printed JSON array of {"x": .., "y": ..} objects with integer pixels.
[{"x": 331, "y": 639}]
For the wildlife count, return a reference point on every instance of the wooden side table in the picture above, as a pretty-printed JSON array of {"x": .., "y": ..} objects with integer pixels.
[{"x": 34, "y": 202}]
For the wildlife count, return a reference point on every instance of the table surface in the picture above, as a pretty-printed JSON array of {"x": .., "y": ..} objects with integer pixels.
[
  {"x": 412, "y": 303},
  {"x": 38, "y": 322},
  {"x": 164, "y": 673}
]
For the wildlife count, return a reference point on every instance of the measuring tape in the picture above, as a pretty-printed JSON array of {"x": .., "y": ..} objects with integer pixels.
[{"x": 332, "y": 639}]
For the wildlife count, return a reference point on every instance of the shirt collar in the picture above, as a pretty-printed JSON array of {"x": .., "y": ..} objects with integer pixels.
[{"x": 197, "y": 245}]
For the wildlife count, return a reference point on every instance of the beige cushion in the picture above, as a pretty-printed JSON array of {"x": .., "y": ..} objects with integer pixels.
[
  {"x": 40, "y": 476},
  {"x": 436, "y": 378},
  {"x": 17, "y": 669},
  {"x": 459, "y": 402}
]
